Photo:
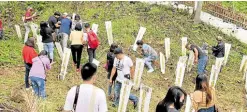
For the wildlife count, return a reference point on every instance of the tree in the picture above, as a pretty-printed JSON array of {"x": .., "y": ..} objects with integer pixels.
[{"x": 198, "y": 7}]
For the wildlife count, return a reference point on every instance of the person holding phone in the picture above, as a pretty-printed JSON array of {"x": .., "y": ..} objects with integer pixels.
[{"x": 28, "y": 18}]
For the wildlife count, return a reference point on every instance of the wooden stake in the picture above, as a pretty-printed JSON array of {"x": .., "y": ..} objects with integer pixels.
[
  {"x": 227, "y": 51},
  {"x": 95, "y": 28},
  {"x": 124, "y": 95},
  {"x": 184, "y": 42},
  {"x": 180, "y": 74},
  {"x": 18, "y": 31},
  {"x": 59, "y": 49},
  {"x": 190, "y": 61},
  {"x": 145, "y": 93}
]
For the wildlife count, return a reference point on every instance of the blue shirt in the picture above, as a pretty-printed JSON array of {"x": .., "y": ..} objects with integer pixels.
[
  {"x": 148, "y": 51},
  {"x": 65, "y": 26}
]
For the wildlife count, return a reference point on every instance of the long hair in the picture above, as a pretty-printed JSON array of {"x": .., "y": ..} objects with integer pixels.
[
  {"x": 43, "y": 26},
  {"x": 113, "y": 47},
  {"x": 172, "y": 97},
  {"x": 203, "y": 85}
]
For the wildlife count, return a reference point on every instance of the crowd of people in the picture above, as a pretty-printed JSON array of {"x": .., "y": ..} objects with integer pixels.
[{"x": 76, "y": 35}]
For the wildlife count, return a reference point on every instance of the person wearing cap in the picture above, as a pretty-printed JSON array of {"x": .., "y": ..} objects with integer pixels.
[
  {"x": 77, "y": 41},
  {"x": 64, "y": 31},
  {"x": 28, "y": 18},
  {"x": 219, "y": 49},
  {"x": 200, "y": 58},
  {"x": 125, "y": 70},
  {"x": 150, "y": 55},
  {"x": 53, "y": 23}
]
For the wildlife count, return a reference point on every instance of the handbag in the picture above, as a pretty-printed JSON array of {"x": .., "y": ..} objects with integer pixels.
[{"x": 106, "y": 66}]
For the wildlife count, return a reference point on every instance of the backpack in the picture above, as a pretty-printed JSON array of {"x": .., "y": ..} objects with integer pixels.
[{"x": 93, "y": 41}]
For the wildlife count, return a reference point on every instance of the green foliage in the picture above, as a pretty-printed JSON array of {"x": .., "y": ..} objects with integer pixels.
[{"x": 239, "y": 6}]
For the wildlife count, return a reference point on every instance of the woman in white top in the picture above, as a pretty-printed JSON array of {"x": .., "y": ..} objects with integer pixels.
[{"x": 77, "y": 41}]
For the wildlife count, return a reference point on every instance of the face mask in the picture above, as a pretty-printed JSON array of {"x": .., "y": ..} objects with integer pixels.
[{"x": 179, "y": 105}]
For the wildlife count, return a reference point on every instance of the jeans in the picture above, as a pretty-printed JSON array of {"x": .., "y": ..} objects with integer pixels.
[
  {"x": 202, "y": 62},
  {"x": 118, "y": 86},
  {"x": 65, "y": 37},
  {"x": 38, "y": 85},
  {"x": 28, "y": 28},
  {"x": 210, "y": 109},
  {"x": 28, "y": 68},
  {"x": 49, "y": 47},
  {"x": 148, "y": 61},
  {"x": 76, "y": 54},
  {"x": 110, "y": 88},
  {"x": 91, "y": 54}
]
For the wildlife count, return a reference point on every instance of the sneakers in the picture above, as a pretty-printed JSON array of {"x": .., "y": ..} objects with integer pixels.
[{"x": 150, "y": 70}]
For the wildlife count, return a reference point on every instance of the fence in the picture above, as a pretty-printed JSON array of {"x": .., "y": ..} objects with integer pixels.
[{"x": 216, "y": 9}]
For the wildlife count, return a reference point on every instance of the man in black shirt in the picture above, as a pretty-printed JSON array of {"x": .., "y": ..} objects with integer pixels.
[
  {"x": 200, "y": 57},
  {"x": 53, "y": 23},
  {"x": 219, "y": 49}
]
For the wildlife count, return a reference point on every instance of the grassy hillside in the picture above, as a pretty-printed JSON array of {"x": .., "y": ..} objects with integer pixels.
[{"x": 126, "y": 18}]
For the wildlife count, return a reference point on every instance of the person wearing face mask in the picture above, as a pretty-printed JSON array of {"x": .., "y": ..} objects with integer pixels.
[
  {"x": 203, "y": 98},
  {"x": 173, "y": 101}
]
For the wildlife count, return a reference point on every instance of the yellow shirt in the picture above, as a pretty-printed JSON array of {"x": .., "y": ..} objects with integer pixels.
[
  {"x": 198, "y": 99},
  {"x": 76, "y": 38}
]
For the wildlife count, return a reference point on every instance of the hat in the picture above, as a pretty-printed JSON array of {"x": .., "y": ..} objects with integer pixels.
[
  {"x": 65, "y": 14},
  {"x": 118, "y": 51},
  {"x": 219, "y": 38}
]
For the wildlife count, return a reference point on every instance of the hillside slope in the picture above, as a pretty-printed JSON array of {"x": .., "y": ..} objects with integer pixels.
[{"x": 126, "y": 18}]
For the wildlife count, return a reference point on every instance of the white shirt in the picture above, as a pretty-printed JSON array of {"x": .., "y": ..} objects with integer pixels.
[
  {"x": 123, "y": 67},
  {"x": 84, "y": 99}
]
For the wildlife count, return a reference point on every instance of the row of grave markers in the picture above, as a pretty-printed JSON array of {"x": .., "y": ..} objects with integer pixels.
[{"x": 126, "y": 87}]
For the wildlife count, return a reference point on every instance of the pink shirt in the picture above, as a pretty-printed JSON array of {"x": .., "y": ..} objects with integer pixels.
[{"x": 38, "y": 69}]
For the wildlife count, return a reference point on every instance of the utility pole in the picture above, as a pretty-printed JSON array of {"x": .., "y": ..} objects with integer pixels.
[{"x": 198, "y": 12}]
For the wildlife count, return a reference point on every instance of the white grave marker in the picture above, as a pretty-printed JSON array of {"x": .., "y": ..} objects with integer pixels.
[
  {"x": 246, "y": 80},
  {"x": 124, "y": 95},
  {"x": 212, "y": 76},
  {"x": 243, "y": 64},
  {"x": 59, "y": 49},
  {"x": 109, "y": 31},
  {"x": 65, "y": 62},
  {"x": 180, "y": 74},
  {"x": 95, "y": 28},
  {"x": 34, "y": 28},
  {"x": 227, "y": 51},
  {"x": 184, "y": 42},
  {"x": 139, "y": 37},
  {"x": 144, "y": 100},
  {"x": 219, "y": 62},
  {"x": 96, "y": 62},
  {"x": 188, "y": 104},
  {"x": 138, "y": 72},
  {"x": 162, "y": 63},
  {"x": 73, "y": 17},
  {"x": 190, "y": 61},
  {"x": 167, "y": 48},
  {"x": 18, "y": 31},
  {"x": 183, "y": 59}
]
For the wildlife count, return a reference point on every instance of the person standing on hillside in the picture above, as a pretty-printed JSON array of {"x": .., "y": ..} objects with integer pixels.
[
  {"x": 1, "y": 28},
  {"x": 93, "y": 42},
  {"x": 65, "y": 29},
  {"x": 86, "y": 97},
  {"x": 125, "y": 70},
  {"x": 110, "y": 62},
  {"x": 203, "y": 98},
  {"x": 150, "y": 55},
  {"x": 77, "y": 42},
  {"x": 200, "y": 58},
  {"x": 28, "y": 18},
  {"x": 28, "y": 53},
  {"x": 37, "y": 74},
  {"x": 53, "y": 23},
  {"x": 219, "y": 49},
  {"x": 47, "y": 39},
  {"x": 77, "y": 21}
]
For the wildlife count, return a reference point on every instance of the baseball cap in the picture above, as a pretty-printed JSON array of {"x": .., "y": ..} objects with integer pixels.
[{"x": 65, "y": 14}]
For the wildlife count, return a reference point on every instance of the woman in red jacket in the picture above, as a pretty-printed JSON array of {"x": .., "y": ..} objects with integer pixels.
[{"x": 28, "y": 54}]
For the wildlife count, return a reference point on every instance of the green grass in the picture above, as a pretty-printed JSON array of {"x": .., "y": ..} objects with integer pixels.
[{"x": 160, "y": 21}]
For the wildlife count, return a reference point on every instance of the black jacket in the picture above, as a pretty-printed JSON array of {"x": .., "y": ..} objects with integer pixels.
[
  {"x": 219, "y": 50},
  {"x": 46, "y": 34}
]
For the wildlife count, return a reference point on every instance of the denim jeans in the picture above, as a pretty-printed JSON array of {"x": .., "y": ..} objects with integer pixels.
[
  {"x": 49, "y": 47},
  {"x": 38, "y": 85},
  {"x": 118, "y": 86},
  {"x": 210, "y": 109},
  {"x": 65, "y": 37},
  {"x": 28, "y": 68},
  {"x": 91, "y": 54},
  {"x": 202, "y": 62},
  {"x": 110, "y": 88}
]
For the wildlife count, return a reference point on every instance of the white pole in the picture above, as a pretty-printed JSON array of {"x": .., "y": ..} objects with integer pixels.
[
  {"x": 227, "y": 51},
  {"x": 167, "y": 48},
  {"x": 108, "y": 26},
  {"x": 95, "y": 28},
  {"x": 65, "y": 62},
  {"x": 59, "y": 49},
  {"x": 124, "y": 95},
  {"x": 184, "y": 42},
  {"x": 162, "y": 63},
  {"x": 139, "y": 37},
  {"x": 18, "y": 31},
  {"x": 138, "y": 72}
]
